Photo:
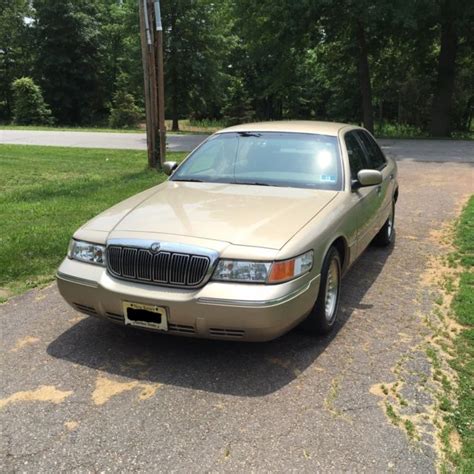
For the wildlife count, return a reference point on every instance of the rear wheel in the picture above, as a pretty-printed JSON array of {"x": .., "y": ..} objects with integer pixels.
[
  {"x": 324, "y": 313},
  {"x": 386, "y": 233}
]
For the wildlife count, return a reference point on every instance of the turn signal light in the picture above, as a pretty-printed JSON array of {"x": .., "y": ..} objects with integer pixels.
[{"x": 289, "y": 269}]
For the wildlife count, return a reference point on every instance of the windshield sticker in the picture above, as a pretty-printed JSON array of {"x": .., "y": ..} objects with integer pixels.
[{"x": 328, "y": 178}]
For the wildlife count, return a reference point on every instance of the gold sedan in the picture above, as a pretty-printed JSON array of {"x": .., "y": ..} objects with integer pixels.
[{"x": 249, "y": 237}]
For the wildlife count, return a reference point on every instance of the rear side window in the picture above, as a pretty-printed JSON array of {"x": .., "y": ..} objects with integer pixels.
[
  {"x": 374, "y": 153},
  {"x": 356, "y": 154}
]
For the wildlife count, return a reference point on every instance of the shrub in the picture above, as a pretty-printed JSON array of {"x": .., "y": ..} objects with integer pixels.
[
  {"x": 398, "y": 130},
  {"x": 125, "y": 113},
  {"x": 29, "y": 107}
]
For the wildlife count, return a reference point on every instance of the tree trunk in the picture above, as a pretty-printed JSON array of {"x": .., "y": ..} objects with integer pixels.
[
  {"x": 8, "y": 95},
  {"x": 175, "y": 102},
  {"x": 442, "y": 101},
  {"x": 175, "y": 125},
  {"x": 364, "y": 79}
]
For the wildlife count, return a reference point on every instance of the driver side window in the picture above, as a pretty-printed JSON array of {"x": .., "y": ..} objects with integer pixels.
[
  {"x": 374, "y": 154},
  {"x": 356, "y": 154}
]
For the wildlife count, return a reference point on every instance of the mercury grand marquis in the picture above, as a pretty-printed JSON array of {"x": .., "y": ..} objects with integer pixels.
[{"x": 248, "y": 237}]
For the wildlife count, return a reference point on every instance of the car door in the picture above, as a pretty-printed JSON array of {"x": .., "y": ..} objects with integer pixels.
[
  {"x": 377, "y": 161},
  {"x": 366, "y": 200}
]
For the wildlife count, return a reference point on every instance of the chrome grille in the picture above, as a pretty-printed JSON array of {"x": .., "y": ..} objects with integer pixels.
[{"x": 162, "y": 268}]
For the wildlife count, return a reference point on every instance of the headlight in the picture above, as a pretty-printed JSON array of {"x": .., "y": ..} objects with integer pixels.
[
  {"x": 241, "y": 270},
  {"x": 263, "y": 272},
  {"x": 87, "y": 252}
]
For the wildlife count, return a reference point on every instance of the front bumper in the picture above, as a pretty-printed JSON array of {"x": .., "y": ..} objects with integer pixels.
[{"x": 249, "y": 312}]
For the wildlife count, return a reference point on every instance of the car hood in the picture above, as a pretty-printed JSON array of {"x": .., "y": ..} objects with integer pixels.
[{"x": 248, "y": 215}]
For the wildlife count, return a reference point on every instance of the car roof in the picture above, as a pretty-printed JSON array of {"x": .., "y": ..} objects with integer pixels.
[{"x": 292, "y": 126}]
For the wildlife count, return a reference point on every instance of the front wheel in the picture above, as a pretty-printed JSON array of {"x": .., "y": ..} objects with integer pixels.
[{"x": 324, "y": 313}]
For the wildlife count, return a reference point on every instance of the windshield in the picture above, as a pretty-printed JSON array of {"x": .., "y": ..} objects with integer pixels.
[{"x": 297, "y": 160}]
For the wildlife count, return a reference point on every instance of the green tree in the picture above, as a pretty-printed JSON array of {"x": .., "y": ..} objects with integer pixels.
[
  {"x": 195, "y": 53},
  {"x": 270, "y": 39},
  {"x": 121, "y": 58},
  {"x": 15, "y": 49},
  {"x": 363, "y": 28},
  {"x": 29, "y": 107},
  {"x": 455, "y": 20},
  {"x": 124, "y": 113},
  {"x": 70, "y": 54}
]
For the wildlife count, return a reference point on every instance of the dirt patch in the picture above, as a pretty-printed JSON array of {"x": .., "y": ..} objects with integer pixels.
[
  {"x": 24, "y": 341},
  {"x": 455, "y": 441},
  {"x": 106, "y": 388},
  {"x": 4, "y": 293},
  {"x": 71, "y": 425},
  {"x": 45, "y": 393}
]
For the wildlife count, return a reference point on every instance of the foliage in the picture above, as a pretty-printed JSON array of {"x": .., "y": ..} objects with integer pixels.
[
  {"x": 398, "y": 130},
  {"x": 15, "y": 49},
  {"x": 48, "y": 192},
  {"x": 121, "y": 56},
  {"x": 241, "y": 60},
  {"x": 195, "y": 52},
  {"x": 69, "y": 62},
  {"x": 29, "y": 107}
]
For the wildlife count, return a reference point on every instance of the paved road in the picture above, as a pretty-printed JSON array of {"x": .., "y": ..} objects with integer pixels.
[
  {"x": 437, "y": 151},
  {"x": 82, "y": 395},
  {"x": 460, "y": 151},
  {"x": 128, "y": 141}
]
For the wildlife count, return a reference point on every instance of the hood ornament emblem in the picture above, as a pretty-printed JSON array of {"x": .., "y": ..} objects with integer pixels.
[{"x": 155, "y": 247}]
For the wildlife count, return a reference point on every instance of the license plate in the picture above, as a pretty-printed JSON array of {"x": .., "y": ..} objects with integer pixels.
[{"x": 145, "y": 316}]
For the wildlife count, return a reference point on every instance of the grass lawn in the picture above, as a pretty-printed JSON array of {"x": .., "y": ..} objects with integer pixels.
[
  {"x": 46, "y": 193},
  {"x": 463, "y": 305}
]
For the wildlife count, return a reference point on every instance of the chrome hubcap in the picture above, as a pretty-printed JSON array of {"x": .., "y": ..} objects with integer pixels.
[{"x": 332, "y": 291}]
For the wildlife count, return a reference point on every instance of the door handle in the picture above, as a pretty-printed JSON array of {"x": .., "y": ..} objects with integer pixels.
[
  {"x": 379, "y": 189},
  {"x": 392, "y": 177}
]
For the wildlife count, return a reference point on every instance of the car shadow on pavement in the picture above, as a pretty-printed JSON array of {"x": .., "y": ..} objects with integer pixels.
[{"x": 235, "y": 368}]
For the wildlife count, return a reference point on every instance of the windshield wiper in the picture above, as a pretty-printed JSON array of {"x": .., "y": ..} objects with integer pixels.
[
  {"x": 249, "y": 134},
  {"x": 252, "y": 183},
  {"x": 190, "y": 180}
]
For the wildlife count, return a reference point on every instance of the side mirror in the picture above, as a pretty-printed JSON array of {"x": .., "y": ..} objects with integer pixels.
[
  {"x": 368, "y": 178},
  {"x": 169, "y": 167}
]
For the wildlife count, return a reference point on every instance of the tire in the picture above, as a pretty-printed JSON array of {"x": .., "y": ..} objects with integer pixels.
[
  {"x": 323, "y": 316},
  {"x": 387, "y": 232}
]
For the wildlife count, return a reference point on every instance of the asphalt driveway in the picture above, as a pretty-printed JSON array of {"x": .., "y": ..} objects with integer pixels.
[{"x": 83, "y": 395}]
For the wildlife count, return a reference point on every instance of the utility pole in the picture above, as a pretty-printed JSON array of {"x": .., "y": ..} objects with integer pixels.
[
  {"x": 161, "y": 81},
  {"x": 151, "y": 34}
]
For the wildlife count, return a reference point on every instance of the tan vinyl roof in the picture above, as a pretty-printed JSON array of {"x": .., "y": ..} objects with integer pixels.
[{"x": 296, "y": 126}]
